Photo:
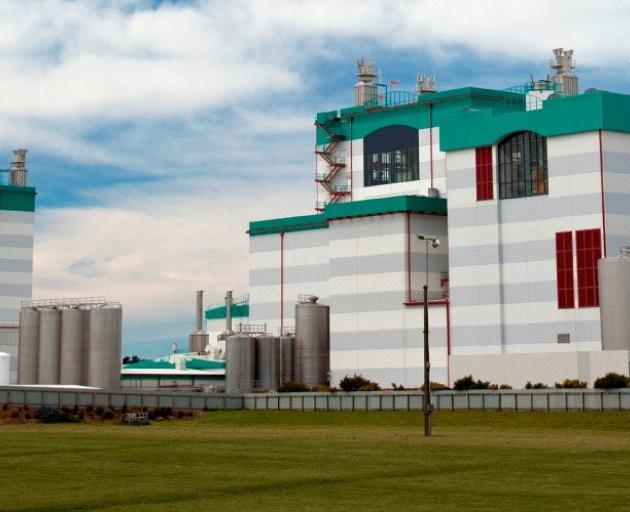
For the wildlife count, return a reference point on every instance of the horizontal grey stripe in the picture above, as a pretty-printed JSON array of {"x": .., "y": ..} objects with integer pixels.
[
  {"x": 386, "y": 339},
  {"x": 15, "y": 290},
  {"x": 292, "y": 240},
  {"x": 617, "y": 204},
  {"x": 17, "y": 217},
  {"x": 9, "y": 314},
  {"x": 519, "y": 252},
  {"x": 385, "y": 377},
  {"x": 22, "y": 241},
  {"x": 616, "y": 242},
  {"x": 366, "y": 227},
  {"x": 439, "y": 168},
  {"x": 8, "y": 337},
  {"x": 524, "y": 209},
  {"x": 516, "y": 334},
  {"x": 298, "y": 274},
  {"x": 368, "y": 302},
  {"x": 616, "y": 162},
  {"x": 573, "y": 165},
  {"x": 541, "y": 291},
  {"x": 379, "y": 263},
  {"x": 15, "y": 265}
]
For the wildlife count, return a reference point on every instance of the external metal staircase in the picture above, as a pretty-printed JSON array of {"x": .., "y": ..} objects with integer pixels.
[{"x": 332, "y": 165}]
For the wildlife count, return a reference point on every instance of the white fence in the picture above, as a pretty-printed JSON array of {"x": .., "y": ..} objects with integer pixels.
[{"x": 522, "y": 400}]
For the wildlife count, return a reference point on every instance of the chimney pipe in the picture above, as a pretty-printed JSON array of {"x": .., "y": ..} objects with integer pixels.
[
  {"x": 228, "y": 311},
  {"x": 18, "y": 168},
  {"x": 199, "y": 318}
]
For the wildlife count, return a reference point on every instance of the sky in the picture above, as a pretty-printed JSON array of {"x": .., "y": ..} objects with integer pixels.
[{"x": 157, "y": 130}]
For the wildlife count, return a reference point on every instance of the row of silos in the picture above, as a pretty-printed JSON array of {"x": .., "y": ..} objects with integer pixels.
[
  {"x": 78, "y": 345},
  {"x": 264, "y": 362}
]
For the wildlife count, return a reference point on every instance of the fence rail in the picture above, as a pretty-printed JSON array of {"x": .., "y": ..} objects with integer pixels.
[{"x": 538, "y": 400}]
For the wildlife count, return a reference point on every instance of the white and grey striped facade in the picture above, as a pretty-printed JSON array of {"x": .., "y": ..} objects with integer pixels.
[
  {"x": 494, "y": 280},
  {"x": 16, "y": 264}
]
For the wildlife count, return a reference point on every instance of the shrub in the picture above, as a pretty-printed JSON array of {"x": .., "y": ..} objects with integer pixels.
[
  {"x": 28, "y": 416},
  {"x": 321, "y": 388},
  {"x": 49, "y": 415},
  {"x": 180, "y": 414},
  {"x": 467, "y": 382},
  {"x": 108, "y": 415},
  {"x": 537, "y": 385},
  {"x": 292, "y": 386},
  {"x": 435, "y": 386},
  {"x": 571, "y": 384},
  {"x": 611, "y": 380},
  {"x": 99, "y": 411},
  {"x": 505, "y": 386},
  {"x": 397, "y": 387},
  {"x": 15, "y": 414},
  {"x": 358, "y": 383}
]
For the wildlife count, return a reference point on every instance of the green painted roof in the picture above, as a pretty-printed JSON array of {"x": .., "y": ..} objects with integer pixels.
[
  {"x": 562, "y": 115},
  {"x": 150, "y": 364},
  {"x": 218, "y": 312},
  {"x": 19, "y": 199},
  {"x": 203, "y": 364},
  {"x": 357, "y": 122},
  {"x": 367, "y": 207}
]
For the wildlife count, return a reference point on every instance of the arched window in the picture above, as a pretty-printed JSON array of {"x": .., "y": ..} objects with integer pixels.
[
  {"x": 390, "y": 155},
  {"x": 523, "y": 165}
]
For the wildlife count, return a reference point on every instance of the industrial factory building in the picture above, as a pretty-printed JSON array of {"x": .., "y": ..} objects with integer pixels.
[
  {"x": 17, "y": 211},
  {"x": 527, "y": 190}
]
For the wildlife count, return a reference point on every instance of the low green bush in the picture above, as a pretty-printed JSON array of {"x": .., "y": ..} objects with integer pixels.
[
  {"x": 571, "y": 384},
  {"x": 537, "y": 385},
  {"x": 467, "y": 382},
  {"x": 50, "y": 415},
  {"x": 292, "y": 386},
  {"x": 357, "y": 383},
  {"x": 611, "y": 380},
  {"x": 505, "y": 386}
]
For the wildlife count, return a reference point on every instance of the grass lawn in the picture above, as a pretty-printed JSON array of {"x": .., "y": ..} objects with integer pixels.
[{"x": 285, "y": 461}]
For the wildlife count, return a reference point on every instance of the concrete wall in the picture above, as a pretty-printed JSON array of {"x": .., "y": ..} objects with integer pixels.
[
  {"x": 548, "y": 368},
  {"x": 16, "y": 269},
  {"x": 616, "y": 164},
  {"x": 502, "y": 254}
]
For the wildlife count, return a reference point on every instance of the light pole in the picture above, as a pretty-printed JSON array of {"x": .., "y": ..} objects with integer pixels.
[{"x": 435, "y": 243}]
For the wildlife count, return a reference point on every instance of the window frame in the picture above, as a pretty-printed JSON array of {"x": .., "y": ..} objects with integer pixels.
[
  {"x": 588, "y": 246},
  {"x": 565, "y": 280},
  {"x": 484, "y": 173},
  {"x": 522, "y": 165}
]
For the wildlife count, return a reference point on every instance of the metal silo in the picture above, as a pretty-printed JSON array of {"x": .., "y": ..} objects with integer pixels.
[
  {"x": 286, "y": 358},
  {"x": 312, "y": 342},
  {"x": 240, "y": 364},
  {"x": 104, "y": 346},
  {"x": 267, "y": 362},
  {"x": 614, "y": 300},
  {"x": 49, "y": 346},
  {"x": 28, "y": 346},
  {"x": 73, "y": 346}
]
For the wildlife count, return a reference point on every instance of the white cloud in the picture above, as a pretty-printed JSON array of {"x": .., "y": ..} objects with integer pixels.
[{"x": 152, "y": 250}]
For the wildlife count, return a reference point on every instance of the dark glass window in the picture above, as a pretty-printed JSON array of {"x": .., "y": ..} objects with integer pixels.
[
  {"x": 390, "y": 155},
  {"x": 523, "y": 165}
]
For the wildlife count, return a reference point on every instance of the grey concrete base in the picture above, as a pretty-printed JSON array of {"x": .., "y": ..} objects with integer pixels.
[{"x": 546, "y": 367}]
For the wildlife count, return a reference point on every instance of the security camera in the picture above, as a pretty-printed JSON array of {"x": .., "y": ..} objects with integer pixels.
[{"x": 435, "y": 244}]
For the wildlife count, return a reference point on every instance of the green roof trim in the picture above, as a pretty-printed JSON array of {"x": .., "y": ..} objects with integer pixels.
[
  {"x": 150, "y": 364},
  {"x": 17, "y": 199},
  {"x": 364, "y": 208},
  {"x": 171, "y": 378},
  {"x": 357, "y": 122},
  {"x": 204, "y": 364},
  {"x": 219, "y": 312},
  {"x": 586, "y": 112},
  {"x": 286, "y": 225}
]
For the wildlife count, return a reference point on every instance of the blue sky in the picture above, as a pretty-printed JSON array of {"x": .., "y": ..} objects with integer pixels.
[{"x": 156, "y": 130}]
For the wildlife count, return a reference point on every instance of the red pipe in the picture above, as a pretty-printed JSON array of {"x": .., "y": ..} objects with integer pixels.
[
  {"x": 282, "y": 283},
  {"x": 448, "y": 343},
  {"x": 408, "y": 227},
  {"x": 351, "y": 187},
  {"x": 601, "y": 174}
]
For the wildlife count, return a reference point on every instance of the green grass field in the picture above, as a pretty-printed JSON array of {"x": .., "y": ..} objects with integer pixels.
[{"x": 285, "y": 461}]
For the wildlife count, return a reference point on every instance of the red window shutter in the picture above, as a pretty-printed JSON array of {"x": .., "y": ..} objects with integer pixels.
[
  {"x": 589, "y": 251},
  {"x": 564, "y": 270},
  {"x": 484, "y": 173}
]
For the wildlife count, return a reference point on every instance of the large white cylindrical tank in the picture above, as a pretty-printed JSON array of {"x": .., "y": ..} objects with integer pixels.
[
  {"x": 312, "y": 343},
  {"x": 614, "y": 300},
  {"x": 240, "y": 366},
  {"x": 28, "y": 346},
  {"x": 286, "y": 358},
  {"x": 73, "y": 346},
  {"x": 104, "y": 347},
  {"x": 5, "y": 368},
  {"x": 267, "y": 362},
  {"x": 49, "y": 346}
]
